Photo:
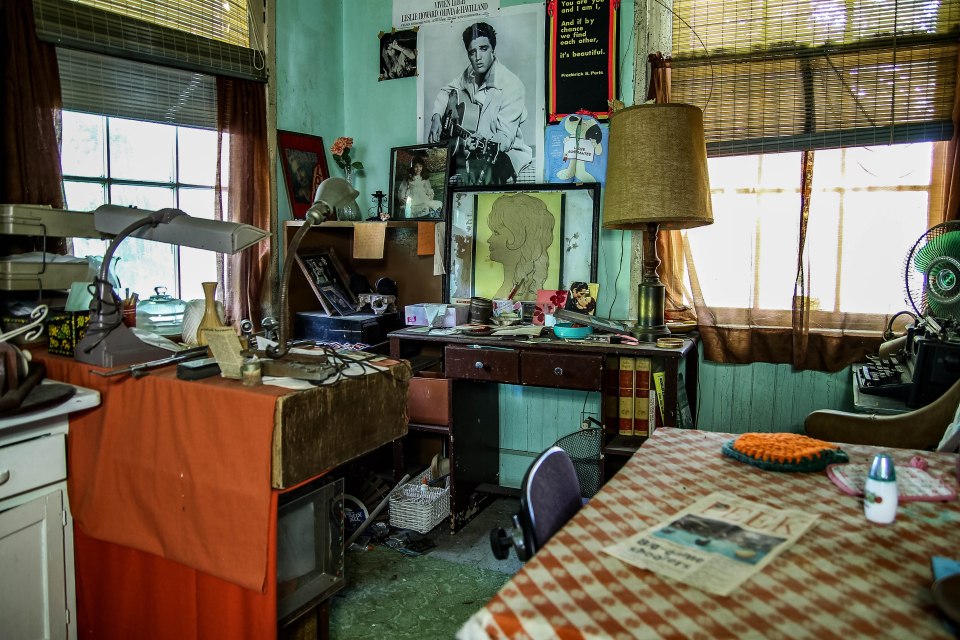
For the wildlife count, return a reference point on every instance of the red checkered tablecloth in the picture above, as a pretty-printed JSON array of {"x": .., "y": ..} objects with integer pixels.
[{"x": 845, "y": 578}]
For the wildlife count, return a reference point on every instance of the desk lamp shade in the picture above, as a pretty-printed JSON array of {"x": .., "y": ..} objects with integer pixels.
[
  {"x": 656, "y": 177},
  {"x": 108, "y": 342}
]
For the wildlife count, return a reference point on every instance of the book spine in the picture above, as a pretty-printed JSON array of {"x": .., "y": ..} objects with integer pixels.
[
  {"x": 626, "y": 399},
  {"x": 641, "y": 395}
]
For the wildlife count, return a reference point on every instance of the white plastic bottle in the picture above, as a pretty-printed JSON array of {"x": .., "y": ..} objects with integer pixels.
[{"x": 880, "y": 496}]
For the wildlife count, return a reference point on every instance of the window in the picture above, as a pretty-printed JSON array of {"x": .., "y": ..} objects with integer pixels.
[
  {"x": 864, "y": 89},
  {"x": 149, "y": 165},
  {"x": 868, "y": 205}
]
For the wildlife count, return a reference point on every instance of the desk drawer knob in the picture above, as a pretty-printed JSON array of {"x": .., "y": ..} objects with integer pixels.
[
  {"x": 478, "y": 365},
  {"x": 4, "y": 476},
  {"x": 558, "y": 371}
]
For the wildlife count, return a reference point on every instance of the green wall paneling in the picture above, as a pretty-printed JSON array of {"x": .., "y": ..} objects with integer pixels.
[{"x": 767, "y": 397}]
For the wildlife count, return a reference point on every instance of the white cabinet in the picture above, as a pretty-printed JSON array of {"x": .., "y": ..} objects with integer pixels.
[{"x": 37, "y": 592}]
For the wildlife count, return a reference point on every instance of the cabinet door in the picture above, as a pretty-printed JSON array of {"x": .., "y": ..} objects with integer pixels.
[{"x": 32, "y": 578}]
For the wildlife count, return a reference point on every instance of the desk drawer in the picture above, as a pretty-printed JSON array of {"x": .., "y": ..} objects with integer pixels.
[
  {"x": 562, "y": 370},
  {"x": 495, "y": 365},
  {"x": 31, "y": 464}
]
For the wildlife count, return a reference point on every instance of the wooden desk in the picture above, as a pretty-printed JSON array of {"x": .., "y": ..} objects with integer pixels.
[
  {"x": 467, "y": 401},
  {"x": 174, "y": 489},
  {"x": 845, "y": 578}
]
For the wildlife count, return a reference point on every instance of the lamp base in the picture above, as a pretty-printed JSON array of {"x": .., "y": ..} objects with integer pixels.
[
  {"x": 651, "y": 295},
  {"x": 117, "y": 348},
  {"x": 650, "y": 334}
]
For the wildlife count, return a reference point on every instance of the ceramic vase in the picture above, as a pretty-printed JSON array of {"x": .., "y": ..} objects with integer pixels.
[{"x": 211, "y": 319}]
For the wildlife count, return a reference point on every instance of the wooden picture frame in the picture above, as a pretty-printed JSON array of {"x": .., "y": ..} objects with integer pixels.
[
  {"x": 328, "y": 280},
  {"x": 413, "y": 197},
  {"x": 561, "y": 222},
  {"x": 303, "y": 159}
]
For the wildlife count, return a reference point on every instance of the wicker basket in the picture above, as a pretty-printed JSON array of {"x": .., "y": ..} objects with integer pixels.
[{"x": 418, "y": 507}]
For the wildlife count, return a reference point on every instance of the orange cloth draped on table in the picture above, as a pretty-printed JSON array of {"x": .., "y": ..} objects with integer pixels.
[
  {"x": 169, "y": 483},
  {"x": 175, "y": 469}
]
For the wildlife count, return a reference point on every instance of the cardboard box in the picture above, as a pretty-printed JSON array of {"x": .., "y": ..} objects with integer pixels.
[
  {"x": 415, "y": 315},
  {"x": 64, "y": 330}
]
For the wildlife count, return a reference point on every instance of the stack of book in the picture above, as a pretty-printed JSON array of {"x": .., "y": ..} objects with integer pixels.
[{"x": 630, "y": 400}]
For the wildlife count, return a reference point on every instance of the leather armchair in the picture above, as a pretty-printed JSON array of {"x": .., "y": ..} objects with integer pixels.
[{"x": 918, "y": 429}]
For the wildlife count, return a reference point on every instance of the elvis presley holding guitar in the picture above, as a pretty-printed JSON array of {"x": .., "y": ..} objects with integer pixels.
[{"x": 480, "y": 112}]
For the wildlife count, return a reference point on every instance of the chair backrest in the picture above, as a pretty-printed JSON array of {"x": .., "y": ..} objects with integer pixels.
[{"x": 549, "y": 498}]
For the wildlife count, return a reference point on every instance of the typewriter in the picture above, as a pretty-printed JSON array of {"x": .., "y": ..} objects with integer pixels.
[
  {"x": 919, "y": 373},
  {"x": 885, "y": 376}
]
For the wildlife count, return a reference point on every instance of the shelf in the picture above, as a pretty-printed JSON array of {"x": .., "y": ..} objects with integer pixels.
[
  {"x": 623, "y": 445},
  {"x": 350, "y": 225}
]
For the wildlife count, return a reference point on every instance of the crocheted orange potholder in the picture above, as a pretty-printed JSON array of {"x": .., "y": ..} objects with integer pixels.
[{"x": 784, "y": 451}]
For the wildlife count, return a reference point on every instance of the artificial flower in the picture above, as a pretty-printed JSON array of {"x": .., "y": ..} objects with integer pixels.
[{"x": 341, "y": 154}]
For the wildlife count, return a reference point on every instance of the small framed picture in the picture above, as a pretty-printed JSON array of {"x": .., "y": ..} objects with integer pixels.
[
  {"x": 304, "y": 162},
  {"x": 418, "y": 181},
  {"x": 329, "y": 281},
  {"x": 398, "y": 54}
]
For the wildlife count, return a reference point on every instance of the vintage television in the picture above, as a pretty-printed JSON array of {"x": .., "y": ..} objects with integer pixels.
[{"x": 310, "y": 546}]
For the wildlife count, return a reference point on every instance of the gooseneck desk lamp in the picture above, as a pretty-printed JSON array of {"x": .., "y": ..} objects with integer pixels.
[
  {"x": 332, "y": 194},
  {"x": 656, "y": 178},
  {"x": 108, "y": 342}
]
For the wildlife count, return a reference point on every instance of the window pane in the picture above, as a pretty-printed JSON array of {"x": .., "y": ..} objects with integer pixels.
[
  {"x": 84, "y": 196},
  {"x": 196, "y": 265},
  {"x": 82, "y": 152},
  {"x": 145, "y": 264},
  {"x": 141, "y": 150},
  {"x": 197, "y": 152},
  {"x": 868, "y": 205}
]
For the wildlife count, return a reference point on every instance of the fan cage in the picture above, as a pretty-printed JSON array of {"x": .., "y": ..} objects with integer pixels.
[{"x": 932, "y": 272}]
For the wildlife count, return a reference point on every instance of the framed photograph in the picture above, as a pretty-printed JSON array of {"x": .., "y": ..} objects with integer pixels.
[
  {"x": 521, "y": 239},
  {"x": 304, "y": 162},
  {"x": 398, "y": 54},
  {"x": 418, "y": 181},
  {"x": 328, "y": 280}
]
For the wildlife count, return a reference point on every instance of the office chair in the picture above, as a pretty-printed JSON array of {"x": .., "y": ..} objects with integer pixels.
[
  {"x": 549, "y": 497},
  {"x": 918, "y": 429}
]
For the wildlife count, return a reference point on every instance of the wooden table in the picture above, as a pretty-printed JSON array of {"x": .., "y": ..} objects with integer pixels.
[
  {"x": 845, "y": 578},
  {"x": 464, "y": 398}
]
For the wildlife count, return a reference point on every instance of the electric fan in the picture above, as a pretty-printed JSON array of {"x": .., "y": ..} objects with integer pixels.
[{"x": 932, "y": 273}]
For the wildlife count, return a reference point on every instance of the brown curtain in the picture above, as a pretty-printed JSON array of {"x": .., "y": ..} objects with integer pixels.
[
  {"x": 242, "y": 121},
  {"x": 30, "y": 104}
]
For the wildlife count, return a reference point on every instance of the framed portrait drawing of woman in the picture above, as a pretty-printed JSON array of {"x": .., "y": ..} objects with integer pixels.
[
  {"x": 521, "y": 239},
  {"x": 418, "y": 181},
  {"x": 304, "y": 162}
]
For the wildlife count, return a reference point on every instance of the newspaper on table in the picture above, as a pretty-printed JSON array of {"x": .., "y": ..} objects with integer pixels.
[{"x": 717, "y": 543}]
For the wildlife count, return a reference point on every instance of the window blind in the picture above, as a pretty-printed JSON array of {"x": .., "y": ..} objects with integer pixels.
[
  {"x": 207, "y": 36},
  {"x": 93, "y": 83},
  {"x": 790, "y": 75}
]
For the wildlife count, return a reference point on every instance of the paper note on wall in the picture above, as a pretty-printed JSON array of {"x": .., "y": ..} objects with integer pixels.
[
  {"x": 368, "y": 239},
  {"x": 425, "y": 238}
]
